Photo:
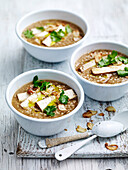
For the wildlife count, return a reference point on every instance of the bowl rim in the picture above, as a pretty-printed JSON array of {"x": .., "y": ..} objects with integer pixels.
[
  {"x": 90, "y": 44},
  {"x": 48, "y": 71},
  {"x": 52, "y": 10}
]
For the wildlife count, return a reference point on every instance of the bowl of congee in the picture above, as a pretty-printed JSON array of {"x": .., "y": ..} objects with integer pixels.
[
  {"x": 102, "y": 70},
  {"x": 51, "y": 35},
  {"x": 44, "y": 100}
]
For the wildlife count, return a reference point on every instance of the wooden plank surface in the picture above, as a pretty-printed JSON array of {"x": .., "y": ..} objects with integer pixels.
[{"x": 107, "y": 20}]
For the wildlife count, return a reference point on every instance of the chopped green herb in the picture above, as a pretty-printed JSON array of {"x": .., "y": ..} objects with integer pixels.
[
  {"x": 49, "y": 110},
  {"x": 68, "y": 29},
  {"x": 123, "y": 59},
  {"x": 45, "y": 85},
  {"x": 126, "y": 68},
  {"x": 28, "y": 34},
  {"x": 63, "y": 98},
  {"x": 41, "y": 83},
  {"x": 104, "y": 62},
  {"x": 54, "y": 36},
  {"x": 35, "y": 79},
  {"x": 109, "y": 60},
  {"x": 122, "y": 73},
  {"x": 40, "y": 28},
  {"x": 61, "y": 33}
]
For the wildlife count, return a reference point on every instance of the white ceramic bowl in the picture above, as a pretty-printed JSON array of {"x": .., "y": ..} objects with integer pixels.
[
  {"x": 101, "y": 92},
  {"x": 45, "y": 53},
  {"x": 44, "y": 127}
]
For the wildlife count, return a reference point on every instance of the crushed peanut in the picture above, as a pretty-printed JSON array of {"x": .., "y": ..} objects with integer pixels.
[
  {"x": 80, "y": 129},
  {"x": 110, "y": 109},
  {"x": 101, "y": 114},
  {"x": 90, "y": 125},
  {"x": 111, "y": 147},
  {"x": 89, "y": 113}
]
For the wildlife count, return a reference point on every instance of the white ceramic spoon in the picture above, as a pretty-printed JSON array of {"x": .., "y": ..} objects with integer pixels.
[{"x": 113, "y": 127}]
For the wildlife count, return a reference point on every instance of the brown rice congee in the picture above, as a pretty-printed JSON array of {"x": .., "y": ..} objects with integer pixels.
[
  {"x": 52, "y": 33},
  {"x": 45, "y": 99},
  {"x": 103, "y": 67}
]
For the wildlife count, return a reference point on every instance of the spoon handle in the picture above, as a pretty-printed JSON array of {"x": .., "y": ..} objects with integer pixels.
[{"x": 67, "y": 152}]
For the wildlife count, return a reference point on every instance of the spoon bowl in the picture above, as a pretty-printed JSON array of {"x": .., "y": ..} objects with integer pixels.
[{"x": 110, "y": 128}]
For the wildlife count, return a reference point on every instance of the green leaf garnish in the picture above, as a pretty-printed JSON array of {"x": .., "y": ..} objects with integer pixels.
[
  {"x": 104, "y": 62},
  {"x": 28, "y": 34},
  {"x": 126, "y": 68},
  {"x": 41, "y": 83},
  {"x": 54, "y": 36},
  {"x": 109, "y": 60},
  {"x": 45, "y": 85},
  {"x": 49, "y": 110},
  {"x": 63, "y": 98},
  {"x": 61, "y": 33},
  {"x": 123, "y": 59},
  {"x": 40, "y": 28},
  {"x": 35, "y": 79},
  {"x": 68, "y": 29},
  {"x": 122, "y": 73}
]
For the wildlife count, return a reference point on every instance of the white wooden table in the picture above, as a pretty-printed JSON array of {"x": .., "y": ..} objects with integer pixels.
[{"x": 108, "y": 19}]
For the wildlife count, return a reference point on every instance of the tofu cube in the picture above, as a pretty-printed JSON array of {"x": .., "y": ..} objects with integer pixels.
[
  {"x": 22, "y": 96},
  {"x": 70, "y": 93},
  {"x": 42, "y": 104},
  {"x": 47, "y": 41}
]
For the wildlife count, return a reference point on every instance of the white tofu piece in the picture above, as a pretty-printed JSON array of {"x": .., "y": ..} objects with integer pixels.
[
  {"x": 37, "y": 41},
  {"x": 42, "y": 104},
  {"x": 60, "y": 27},
  {"x": 61, "y": 107},
  {"x": 22, "y": 96},
  {"x": 42, "y": 34},
  {"x": 109, "y": 69},
  {"x": 47, "y": 41},
  {"x": 32, "y": 98},
  {"x": 70, "y": 93},
  {"x": 98, "y": 58},
  {"x": 88, "y": 65},
  {"x": 35, "y": 31}
]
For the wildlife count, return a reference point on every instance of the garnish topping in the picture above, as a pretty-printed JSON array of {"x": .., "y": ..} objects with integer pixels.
[
  {"x": 63, "y": 98},
  {"x": 109, "y": 60},
  {"x": 28, "y": 34},
  {"x": 40, "y": 28},
  {"x": 49, "y": 110},
  {"x": 123, "y": 73},
  {"x": 68, "y": 29},
  {"x": 44, "y": 85}
]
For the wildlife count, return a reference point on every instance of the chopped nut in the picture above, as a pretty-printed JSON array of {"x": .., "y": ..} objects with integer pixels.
[
  {"x": 110, "y": 109},
  {"x": 66, "y": 129},
  {"x": 89, "y": 113},
  {"x": 90, "y": 125},
  {"x": 80, "y": 129},
  {"x": 76, "y": 33},
  {"x": 101, "y": 114},
  {"x": 111, "y": 147}
]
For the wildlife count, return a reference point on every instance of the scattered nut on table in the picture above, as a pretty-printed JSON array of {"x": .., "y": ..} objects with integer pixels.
[
  {"x": 111, "y": 147},
  {"x": 89, "y": 113},
  {"x": 80, "y": 129},
  {"x": 110, "y": 109},
  {"x": 101, "y": 114},
  {"x": 90, "y": 125}
]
